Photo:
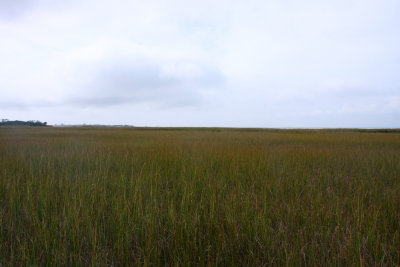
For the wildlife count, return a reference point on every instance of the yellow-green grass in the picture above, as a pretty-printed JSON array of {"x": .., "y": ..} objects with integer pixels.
[{"x": 128, "y": 196}]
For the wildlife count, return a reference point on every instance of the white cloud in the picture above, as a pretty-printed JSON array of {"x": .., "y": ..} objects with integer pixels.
[{"x": 241, "y": 63}]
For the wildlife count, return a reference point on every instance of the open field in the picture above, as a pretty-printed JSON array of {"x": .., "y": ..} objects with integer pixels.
[{"x": 117, "y": 196}]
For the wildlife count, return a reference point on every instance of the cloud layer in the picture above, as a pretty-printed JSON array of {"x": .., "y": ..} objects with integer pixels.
[{"x": 210, "y": 63}]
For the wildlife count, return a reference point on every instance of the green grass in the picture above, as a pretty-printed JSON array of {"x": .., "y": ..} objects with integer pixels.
[{"x": 106, "y": 196}]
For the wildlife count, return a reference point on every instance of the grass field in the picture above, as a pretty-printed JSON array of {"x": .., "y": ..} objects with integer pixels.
[{"x": 124, "y": 196}]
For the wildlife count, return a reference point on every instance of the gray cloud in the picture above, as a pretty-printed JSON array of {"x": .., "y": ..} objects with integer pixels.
[
  {"x": 133, "y": 81},
  {"x": 13, "y": 9},
  {"x": 140, "y": 80}
]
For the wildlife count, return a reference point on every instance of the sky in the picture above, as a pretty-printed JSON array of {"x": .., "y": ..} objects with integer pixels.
[{"x": 209, "y": 63}]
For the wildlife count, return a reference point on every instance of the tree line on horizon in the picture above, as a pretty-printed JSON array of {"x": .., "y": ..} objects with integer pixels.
[{"x": 5, "y": 122}]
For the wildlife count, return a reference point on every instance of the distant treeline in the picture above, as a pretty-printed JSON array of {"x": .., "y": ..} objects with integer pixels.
[
  {"x": 22, "y": 123},
  {"x": 271, "y": 130}
]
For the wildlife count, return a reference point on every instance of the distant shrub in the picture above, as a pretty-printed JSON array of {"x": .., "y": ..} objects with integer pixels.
[{"x": 22, "y": 123}]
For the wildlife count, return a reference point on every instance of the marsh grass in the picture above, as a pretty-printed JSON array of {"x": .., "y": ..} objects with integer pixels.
[{"x": 105, "y": 196}]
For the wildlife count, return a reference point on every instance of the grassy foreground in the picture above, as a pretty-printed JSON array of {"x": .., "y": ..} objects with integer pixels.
[{"x": 106, "y": 196}]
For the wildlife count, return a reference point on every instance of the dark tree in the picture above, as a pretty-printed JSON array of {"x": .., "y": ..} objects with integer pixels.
[{"x": 5, "y": 122}]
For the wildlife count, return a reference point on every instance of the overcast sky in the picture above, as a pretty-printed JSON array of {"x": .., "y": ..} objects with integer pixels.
[{"x": 201, "y": 63}]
